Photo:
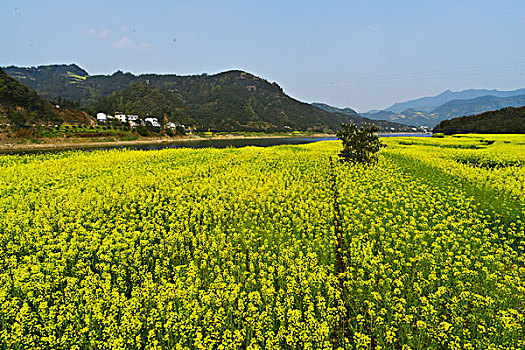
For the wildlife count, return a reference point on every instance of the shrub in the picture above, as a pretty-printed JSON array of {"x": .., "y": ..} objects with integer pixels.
[{"x": 360, "y": 145}]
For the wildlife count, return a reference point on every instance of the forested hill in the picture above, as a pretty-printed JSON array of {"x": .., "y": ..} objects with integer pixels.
[
  {"x": 142, "y": 98},
  {"x": 21, "y": 105},
  {"x": 228, "y": 101},
  {"x": 508, "y": 120}
]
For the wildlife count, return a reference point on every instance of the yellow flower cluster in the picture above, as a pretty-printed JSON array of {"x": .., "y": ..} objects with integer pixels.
[
  {"x": 430, "y": 263},
  {"x": 189, "y": 249},
  {"x": 262, "y": 248}
]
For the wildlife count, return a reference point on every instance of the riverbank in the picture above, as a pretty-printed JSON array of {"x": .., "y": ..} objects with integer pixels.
[{"x": 15, "y": 146}]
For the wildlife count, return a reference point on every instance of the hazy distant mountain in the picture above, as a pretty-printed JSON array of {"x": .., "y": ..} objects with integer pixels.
[
  {"x": 408, "y": 117},
  {"x": 345, "y": 111},
  {"x": 503, "y": 121},
  {"x": 478, "y": 105},
  {"x": 382, "y": 123},
  {"x": 451, "y": 109},
  {"x": 228, "y": 101},
  {"x": 427, "y": 104}
]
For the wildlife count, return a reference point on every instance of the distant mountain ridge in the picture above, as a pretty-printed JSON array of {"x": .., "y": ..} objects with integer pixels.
[
  {"x": 328, "y": 108},
  {"x": 427, "y": 104},
  {"x": 478, "y": 105},
  {"x": 227, "y": 101},
  {"x": 427, "y": 116}
]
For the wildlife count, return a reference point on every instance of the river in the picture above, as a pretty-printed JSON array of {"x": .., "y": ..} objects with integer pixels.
[{"x": 213, "y": 143}]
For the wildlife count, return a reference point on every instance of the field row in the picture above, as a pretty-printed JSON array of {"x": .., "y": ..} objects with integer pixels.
[{"x": 276, "y": 248}]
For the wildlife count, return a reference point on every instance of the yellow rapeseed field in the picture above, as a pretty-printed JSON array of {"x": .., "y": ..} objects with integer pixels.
[{"x": 266, "y": 248}]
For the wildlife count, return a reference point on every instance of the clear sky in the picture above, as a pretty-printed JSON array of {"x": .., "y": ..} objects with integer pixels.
[{"x": 361, "y": 54}]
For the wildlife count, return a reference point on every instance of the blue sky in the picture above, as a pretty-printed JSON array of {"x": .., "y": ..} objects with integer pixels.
[{"x": 361, "y": 54}]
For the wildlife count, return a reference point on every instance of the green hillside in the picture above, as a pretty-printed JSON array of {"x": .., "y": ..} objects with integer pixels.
[
  {"x": 17, "y": 98},
  {"x": 144, "y": 99},
  {"x": 228, "y": 101},
  {"x": 52, "y": 81},
  {"x": 21, "y": 105},
  {"x": 503, "y": 121}
]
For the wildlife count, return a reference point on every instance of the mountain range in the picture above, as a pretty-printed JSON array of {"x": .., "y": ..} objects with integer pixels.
[
  {"x": 429, "y": 111},
  {"x": 227, "y": 101},
  {"x": 427, "y": 104}
]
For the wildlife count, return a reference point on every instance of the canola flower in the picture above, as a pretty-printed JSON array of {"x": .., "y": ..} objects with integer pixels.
[{"x": 237, "y": 249}]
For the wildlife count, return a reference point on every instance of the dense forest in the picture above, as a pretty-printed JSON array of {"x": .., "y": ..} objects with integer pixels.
[
  {"x": 508, "y": 120},
  {"x": 141, "y": 98},
  {"x": 228, "y": 101}
]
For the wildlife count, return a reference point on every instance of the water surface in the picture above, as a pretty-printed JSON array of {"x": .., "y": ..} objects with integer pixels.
[{"x": 214, "y": 143}]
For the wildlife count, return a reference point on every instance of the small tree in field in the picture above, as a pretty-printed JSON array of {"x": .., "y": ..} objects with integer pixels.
[{"x": 360, "y": 145}]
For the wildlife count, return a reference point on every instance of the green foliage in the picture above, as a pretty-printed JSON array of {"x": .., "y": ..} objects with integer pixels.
[
  {"x": 144, "y": 99},
  {"x": 503, "y": 121},
  {"x": 229, "y": 101},
  {"x": 22, "y": 105},
  {"x": 360, "y": 145},
  {"x": 17, "y": 98},
  {"x": 438, "y": 135},
  {"x": 18, "y": 119}
]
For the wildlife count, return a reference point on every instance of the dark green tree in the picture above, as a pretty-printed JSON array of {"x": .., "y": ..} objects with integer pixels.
[
  {"x": 18, "y": 119},
  {"x": 360, "y": 145}
]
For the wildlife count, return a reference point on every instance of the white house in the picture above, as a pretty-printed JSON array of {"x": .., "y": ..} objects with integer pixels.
[
  {"x": 153, "y": 121},
  {"x": 172, "y": 125},
  {"x": 133, "y": 120},
  {"x": 121, "y": 117},
  {"x": 101, "y": 117}
]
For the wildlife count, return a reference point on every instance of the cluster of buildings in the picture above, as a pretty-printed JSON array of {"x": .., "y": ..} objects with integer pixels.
[{"x": 132, "y": 120}]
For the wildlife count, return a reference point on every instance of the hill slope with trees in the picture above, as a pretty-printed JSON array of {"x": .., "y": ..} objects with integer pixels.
[
  {"x": 508, "y": 120},
  {"x": 20, "y": 105},
  {"x": 228, "y": 101}
]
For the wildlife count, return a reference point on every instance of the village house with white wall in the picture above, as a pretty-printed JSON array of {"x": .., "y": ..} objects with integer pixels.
[{"x": 134, "y": 120}]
